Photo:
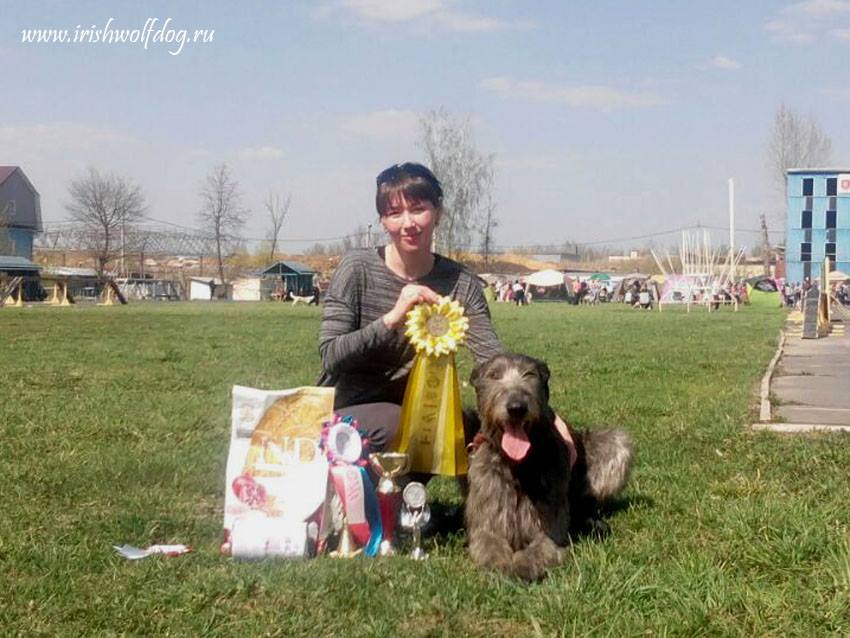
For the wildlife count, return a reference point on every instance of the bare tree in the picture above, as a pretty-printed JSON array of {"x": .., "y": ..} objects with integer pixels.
[
  {"x": 277, "y": 208},
  {"x": 489, "y": 223},
  {"x": 221, "y": 211},
  {"x": 462, "y": 170},
  {"x": 107, "y": 206},
  {"x": 795, "y": 142}
]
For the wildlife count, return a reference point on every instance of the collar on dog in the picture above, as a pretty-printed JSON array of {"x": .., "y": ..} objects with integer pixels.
[{"x": 561, "y": 427}]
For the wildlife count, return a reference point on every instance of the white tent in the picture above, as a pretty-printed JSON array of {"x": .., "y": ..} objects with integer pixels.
[
  {"x": 546, "y": 278},
  {"x": 837, "y": 275}
]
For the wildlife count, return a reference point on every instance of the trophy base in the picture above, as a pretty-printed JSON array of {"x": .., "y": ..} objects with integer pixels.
[
  {"x": 386, "y": 548},
  {"x": 418, "y": 554}
]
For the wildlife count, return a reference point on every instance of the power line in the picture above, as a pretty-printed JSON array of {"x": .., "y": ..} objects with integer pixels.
[{"x": 72, "y": 231}]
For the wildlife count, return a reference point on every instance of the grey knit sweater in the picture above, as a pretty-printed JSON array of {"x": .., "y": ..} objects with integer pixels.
[{"x": 363, "y": 359}]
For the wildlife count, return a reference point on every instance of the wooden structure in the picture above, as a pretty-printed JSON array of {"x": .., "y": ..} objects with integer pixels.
[{"x": 293, "y": 277}]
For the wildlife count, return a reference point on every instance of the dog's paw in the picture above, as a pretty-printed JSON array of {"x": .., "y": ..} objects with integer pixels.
[
  {"x": 532, "y": 563},
  {"x": 531, "y": 568},
  {"x": 597, "y": 528}
]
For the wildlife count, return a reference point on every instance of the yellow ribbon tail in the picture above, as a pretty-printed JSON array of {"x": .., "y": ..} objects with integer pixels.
[{"x": 431, "y": 426}]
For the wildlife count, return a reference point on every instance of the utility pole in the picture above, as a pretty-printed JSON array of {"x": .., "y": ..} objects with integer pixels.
[
  {"x": 731, "y": 229},
  {"x": 765, "y": 245},
  {"x": 123, "y": 230}
]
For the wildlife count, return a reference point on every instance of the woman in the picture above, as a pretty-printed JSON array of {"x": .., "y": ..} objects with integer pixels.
[{"x": 365, "y": 354}]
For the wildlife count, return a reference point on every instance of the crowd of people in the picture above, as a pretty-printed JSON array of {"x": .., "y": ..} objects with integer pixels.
[
  {"x": 579, "y": 292},
  {"x": 793, "y": 293}
]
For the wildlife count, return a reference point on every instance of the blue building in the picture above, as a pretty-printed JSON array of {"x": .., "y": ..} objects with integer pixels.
[{"x": 818, "y": 221}]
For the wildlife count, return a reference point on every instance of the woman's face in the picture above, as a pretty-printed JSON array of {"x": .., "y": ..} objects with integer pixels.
[{"x": 410, "y": 224}]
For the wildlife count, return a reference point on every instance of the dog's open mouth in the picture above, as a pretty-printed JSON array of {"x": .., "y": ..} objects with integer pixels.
[{"x": 515, "y": 443}]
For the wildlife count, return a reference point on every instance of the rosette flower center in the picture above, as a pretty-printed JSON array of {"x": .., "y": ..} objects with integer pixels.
[
  {"x": 437, "y": 329},
  {"x": 437, "y": 325}
]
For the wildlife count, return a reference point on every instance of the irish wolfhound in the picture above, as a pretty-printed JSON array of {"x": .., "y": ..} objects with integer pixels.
[{"x": 530, "y": 486}]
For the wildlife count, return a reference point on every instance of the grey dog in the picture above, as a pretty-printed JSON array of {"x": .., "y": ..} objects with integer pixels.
[{"x": 530, "y": 487}]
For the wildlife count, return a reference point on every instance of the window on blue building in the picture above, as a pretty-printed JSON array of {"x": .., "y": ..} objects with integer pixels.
[
  {"x": 806, "y": 251},
  {"x": 829, "y": 250},
  {"x": 831, "y": 186},
  {"x": 808, "y": 186},
  {"x": 831, "y": 218},
  {"x": 806, "y": 219}
]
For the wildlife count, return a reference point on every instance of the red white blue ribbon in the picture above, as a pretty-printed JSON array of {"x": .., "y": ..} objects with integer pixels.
[{"x": 344, "y": 447}]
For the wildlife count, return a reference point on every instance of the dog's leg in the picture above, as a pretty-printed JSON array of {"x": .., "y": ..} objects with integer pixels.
[
  {"x": 532, "y": 562},
  {"x": 609, "y": 455},
  {"x": 490, "y": 550}
]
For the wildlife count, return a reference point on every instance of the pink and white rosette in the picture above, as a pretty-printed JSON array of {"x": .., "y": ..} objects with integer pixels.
[{"x": 344, "y": 447}]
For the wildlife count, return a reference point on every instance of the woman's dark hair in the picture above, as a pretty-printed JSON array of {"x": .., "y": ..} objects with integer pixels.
[{"x": 414, "y": 181}]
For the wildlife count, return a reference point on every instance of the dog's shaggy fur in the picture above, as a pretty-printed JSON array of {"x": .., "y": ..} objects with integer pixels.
[{"x": 522, "y": 511}]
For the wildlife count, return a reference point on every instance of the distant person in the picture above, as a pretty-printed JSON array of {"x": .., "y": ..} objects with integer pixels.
[
  {"x": 519, "y": 293},
  {"x": 644, "y": 298}
]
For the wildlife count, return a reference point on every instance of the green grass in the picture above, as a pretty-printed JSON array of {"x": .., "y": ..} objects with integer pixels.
[{"x": 115, "y": 426}]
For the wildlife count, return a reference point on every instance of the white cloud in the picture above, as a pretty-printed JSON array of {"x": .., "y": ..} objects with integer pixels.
[
  {"x": 260, "y": 153},
  {"x": 387, "y": 124},
  {"x": 808, "y": 22},
  {"x": 723, "y": 62},
  {"x": 392, "y": 10},
  {"x": 842, "y": 95},
  {"x": 68, "y": 136},
  {"x": 455, "y": 21},
  {"x": 532, "y": 161},
  {"x": 784, "y": 31},
  {"x": 435, "y": 13},
  {"x": 841, "y": 34},
  {"x": 588, "y": 96},
  {"x": 818, "y": 8}
]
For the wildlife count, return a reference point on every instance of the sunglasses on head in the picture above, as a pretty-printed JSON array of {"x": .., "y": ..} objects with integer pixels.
[{"x": 397, "y": 171}]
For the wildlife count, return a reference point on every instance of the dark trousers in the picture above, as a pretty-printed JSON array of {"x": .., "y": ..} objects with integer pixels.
[{"x": 380, "y": 422}]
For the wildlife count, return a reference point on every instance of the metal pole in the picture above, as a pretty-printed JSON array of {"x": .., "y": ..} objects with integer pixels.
[
  {"x": 732, "y": 228},
  {"x": 123, "y": 267}
]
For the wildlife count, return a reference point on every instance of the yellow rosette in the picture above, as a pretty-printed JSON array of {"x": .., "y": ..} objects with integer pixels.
[{"x": 431, "y": 425}]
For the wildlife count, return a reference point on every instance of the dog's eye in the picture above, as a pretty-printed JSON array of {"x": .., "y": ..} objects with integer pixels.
[
  {"x": 494, "y": 374},
  {"x": 530, "y": 374}
]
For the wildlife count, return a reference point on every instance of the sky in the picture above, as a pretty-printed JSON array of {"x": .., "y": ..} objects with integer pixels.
[{"x": 608, "y": 119}]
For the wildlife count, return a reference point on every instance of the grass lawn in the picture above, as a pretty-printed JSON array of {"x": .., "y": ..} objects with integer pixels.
[{"x": 115, "y": 426}]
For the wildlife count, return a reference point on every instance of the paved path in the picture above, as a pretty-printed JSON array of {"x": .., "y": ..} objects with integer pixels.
[{"x": 811, "y": 383}]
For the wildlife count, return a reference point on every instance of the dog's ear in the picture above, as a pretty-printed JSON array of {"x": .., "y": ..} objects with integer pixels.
[
  {"x": 543, "y": 371},
  {"x": 476, "y": 374}
]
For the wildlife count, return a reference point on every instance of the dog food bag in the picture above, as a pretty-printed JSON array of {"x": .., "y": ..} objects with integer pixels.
[{"x": 276, "y": 474}]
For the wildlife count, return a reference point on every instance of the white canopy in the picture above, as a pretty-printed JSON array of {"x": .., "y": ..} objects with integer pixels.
[
  {"x": 837, "y": 275},
  {"x": 546, "y": 278}
]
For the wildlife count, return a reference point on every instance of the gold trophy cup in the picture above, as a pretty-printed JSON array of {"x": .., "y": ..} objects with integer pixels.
[{"x": 389, "y": 465}]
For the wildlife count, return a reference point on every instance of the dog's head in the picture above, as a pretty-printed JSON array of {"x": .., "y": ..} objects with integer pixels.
[{"x": 513, "y": 394}]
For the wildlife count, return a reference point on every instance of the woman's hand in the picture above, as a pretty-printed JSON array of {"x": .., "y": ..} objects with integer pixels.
[{"x": 411, "y": 295}]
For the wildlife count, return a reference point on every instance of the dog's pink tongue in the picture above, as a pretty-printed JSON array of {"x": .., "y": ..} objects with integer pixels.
[{"x": 515, "y": 443}]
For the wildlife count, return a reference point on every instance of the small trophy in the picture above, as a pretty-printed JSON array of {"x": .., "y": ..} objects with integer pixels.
[
  {"x": 346, "y": 548},
  {"x": 389, "y": 465},
  {"x": 415, "y": 515}
]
